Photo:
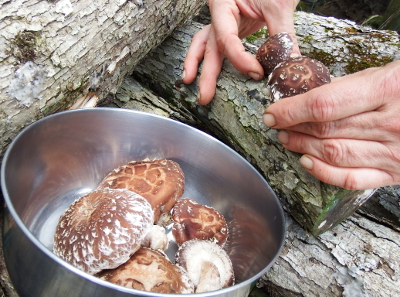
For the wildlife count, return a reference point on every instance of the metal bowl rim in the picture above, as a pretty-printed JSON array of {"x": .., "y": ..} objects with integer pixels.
[{"x": 92, "y": 278}]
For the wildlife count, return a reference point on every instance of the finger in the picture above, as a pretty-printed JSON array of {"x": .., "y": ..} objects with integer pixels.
[
  {"x": 210, "y": 70},
  {"x": 288, "y": 28},
  {"x": 348, "y": 178},
  {"x": 242, "y": 60},
  {"x": 226, "y": 22},
  {"x": 341, "y": 152},
  {"x": 195, "y": 55},
  {"x": 366, "y": 126},
  {"x": 279, "y": 18},
  {"x": 333, "y": 101},
  {"x": 249, "y": 26}
]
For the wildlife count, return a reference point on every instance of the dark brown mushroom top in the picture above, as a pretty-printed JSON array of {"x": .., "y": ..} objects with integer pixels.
[
  {"x": 161, "y": 182},
  {"x": 208, "y": 265},
  {"x": 297, "y": 75},
  {"x": 102, "y": 229},
  {"x": 276, "y": 49},
  {"x": 194, "y": 220},
  {"x": 151, "y": 271}
]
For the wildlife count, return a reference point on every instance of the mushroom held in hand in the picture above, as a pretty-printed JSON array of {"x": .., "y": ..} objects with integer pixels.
[
  {"x": 150, "y": 271},
  {"x": 275, "y": 50},
  {"x": 161, "y": 182},
  {"x": 102, "y": 229},
  {"x": 194, "y": 220},
  {"x": 297, "y": 75},
  {"x": 207, "y": 264}
]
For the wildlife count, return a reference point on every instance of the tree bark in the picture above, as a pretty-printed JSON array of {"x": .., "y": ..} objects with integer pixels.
[
  {"x": 358, "y": 257},
  {"x": 235, "y": 113},
  {"x": 53, "y": 52}
]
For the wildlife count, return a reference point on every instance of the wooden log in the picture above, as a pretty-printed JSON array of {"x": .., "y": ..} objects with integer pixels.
[
  {"x": 54, "y": 52},
  {"x": 235, "y": 113},
  {"x": 358, "y": 257}
]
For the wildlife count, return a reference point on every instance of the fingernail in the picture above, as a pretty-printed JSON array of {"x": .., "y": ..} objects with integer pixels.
[
  {"x": 283, "y": 137},
  {"x": 183, "y": 73},
  {"x": 269, "y": 120},
  {"x": 306, "y": 162},
  {"x": 254, "y": 75}
]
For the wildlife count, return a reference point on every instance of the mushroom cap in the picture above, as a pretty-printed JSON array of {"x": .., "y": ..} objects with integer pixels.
[
  {"x": 194, "y": 220},
  {"x": 276, "y": 49},
  {"x": 102, "y": 229},
  {"x": 151, "y": 271},
  {"x": 161, "y": 182},
  {"x": 192, "y": 255},
  {"x": 297, "y": 75}
]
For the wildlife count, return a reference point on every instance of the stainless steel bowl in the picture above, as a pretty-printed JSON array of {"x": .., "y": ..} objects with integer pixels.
[{"x": 63, "y": 156}]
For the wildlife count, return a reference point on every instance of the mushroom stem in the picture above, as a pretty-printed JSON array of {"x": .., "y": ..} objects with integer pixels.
[{"x": 209, "y": 279}]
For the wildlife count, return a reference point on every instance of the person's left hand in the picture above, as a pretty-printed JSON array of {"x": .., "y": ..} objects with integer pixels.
[{"x": 233, "y": 20}]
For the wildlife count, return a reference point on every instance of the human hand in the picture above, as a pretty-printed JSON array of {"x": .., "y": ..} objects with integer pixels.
[
  {"x": 233, "y": 20},
  {"x": 348, "y": 130}
]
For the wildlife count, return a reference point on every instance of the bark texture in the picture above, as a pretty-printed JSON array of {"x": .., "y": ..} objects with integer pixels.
[
  {"x": 235, "y": 113},
  {"x": 358, "y": 257},
  {"x": 53, "y": 52}
]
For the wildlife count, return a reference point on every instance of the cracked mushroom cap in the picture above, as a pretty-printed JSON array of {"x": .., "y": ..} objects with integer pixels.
[
  {"x": 161, "y": 182},
  {"x": 297, "y": 75},
  {"x": 275, "y": 50},
  {"x": 207, "y": 264},
  {"x": 151, "y": 271},
  {"x": 102, "y": 229},
  {"x": 193, "y": 220}
]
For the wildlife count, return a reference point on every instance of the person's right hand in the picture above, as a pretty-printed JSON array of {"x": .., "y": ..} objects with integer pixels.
[
  {"x": 348, "y": 130},
  {"x": 232, "y": 20}
]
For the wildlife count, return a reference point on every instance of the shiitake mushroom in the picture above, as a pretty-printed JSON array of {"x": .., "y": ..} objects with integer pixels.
[{"x": 288, "y": 74}]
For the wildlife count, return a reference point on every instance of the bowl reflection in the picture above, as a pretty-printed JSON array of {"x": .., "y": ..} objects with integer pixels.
[{"x": 63, "y": 156}]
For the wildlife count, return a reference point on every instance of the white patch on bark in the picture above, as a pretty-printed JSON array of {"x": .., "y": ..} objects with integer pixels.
[{"x": 27, "y": 83}]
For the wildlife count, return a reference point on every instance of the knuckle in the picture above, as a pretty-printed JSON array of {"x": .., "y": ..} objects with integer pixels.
[
  {"x": 322, "y": 108},
  {"x": 324, "y": 130},
  {"x": 288, "y": 114},
  {"x": 393, "y": 156},
  {"x": 391, "y": 126},
  {"x": 351, "y": 182},
  {"x": 220, "y": 41},
  {"x": 333, "y": 152},
  {"x": 198, "y": 38}
]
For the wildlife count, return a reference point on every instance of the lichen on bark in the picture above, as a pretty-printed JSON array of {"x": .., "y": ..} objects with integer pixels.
[
  {"x": 236, "y": 111},
  {"x": 67, "y": 43}
]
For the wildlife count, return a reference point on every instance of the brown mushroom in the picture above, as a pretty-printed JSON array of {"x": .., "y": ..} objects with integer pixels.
[
  {"x": 275, "y": 50},
  {"x": 150, "y": 271},
  {"x": 156, "y": 239},
  {"x": 297, "y": 75},
  {"x": 207, "y": 264},
  {"x": 161, "y": 182},
  {"x": 194, "y": 220},
  {"x": 102, "y": 229}
]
